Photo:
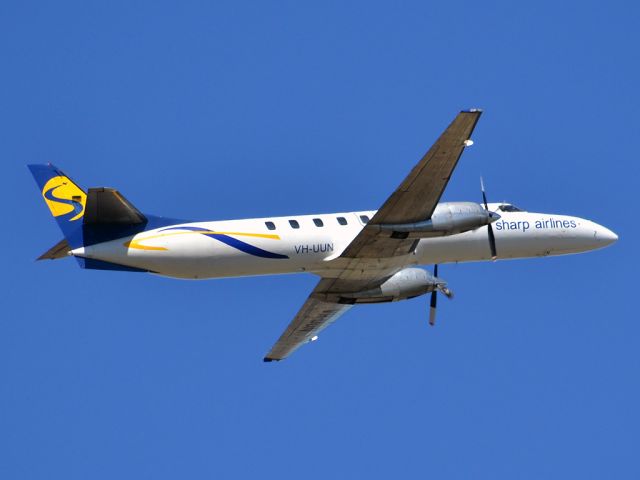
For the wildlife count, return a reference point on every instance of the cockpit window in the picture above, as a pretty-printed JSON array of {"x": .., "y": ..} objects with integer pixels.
[{"x": 506, "y": 207}]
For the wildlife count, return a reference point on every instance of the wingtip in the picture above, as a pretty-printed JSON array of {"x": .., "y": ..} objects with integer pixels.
[
  {"x": 269, "y": 359},
  {"x": 473, "y": 110}
]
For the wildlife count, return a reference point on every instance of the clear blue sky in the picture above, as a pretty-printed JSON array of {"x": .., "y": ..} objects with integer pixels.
[{"x": 215, "y": 110}]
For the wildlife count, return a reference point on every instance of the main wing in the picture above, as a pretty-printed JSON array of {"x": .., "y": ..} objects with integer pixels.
[
  {"x": 374, "y": 255},
  {"x": 418, "y": 195},
  {"x": 314, "y": 316}
]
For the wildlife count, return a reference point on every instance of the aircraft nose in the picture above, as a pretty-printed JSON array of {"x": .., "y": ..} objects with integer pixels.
[{"x": 605, "y": 236}]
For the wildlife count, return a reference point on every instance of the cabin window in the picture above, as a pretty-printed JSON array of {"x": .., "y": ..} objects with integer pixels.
[
  {"x": 342, "y": 220},
  {"x": 294, "y": 224},
  {"x": 364, "y": 219},
  {"x": 270, "y": 225},
  {"x": 318, "y": 222}
]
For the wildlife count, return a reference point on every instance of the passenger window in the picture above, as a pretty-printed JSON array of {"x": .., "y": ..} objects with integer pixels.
[
  {"x": 342, "y": 220},
  {"x": 318, "y": 222},
  {"x": 294, "y": 224},
  {"x": 364, "y": 219},
  {"x": 270, "y": 225}
]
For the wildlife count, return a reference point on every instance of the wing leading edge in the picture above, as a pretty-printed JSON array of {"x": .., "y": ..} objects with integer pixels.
[{"x": 373, "y": 256}]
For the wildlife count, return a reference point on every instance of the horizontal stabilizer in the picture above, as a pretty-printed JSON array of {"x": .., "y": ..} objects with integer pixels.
[
  {"x": 59, "y": 250},
  {"x": 108, "y": 206}
]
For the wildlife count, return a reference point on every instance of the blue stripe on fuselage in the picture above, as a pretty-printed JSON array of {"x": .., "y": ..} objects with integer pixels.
[{"x": 232, "y": 242}]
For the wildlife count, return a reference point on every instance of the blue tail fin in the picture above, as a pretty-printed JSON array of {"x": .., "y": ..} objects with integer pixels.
[{"x": 65, "y": 200}]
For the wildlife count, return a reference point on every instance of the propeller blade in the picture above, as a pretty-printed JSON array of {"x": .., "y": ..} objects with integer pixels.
[
  {"x": 434, "y": 300},
  {"x": 492, "y": 237},
  {"x": 492, "y": 243},
  {"x": 432, "y": 308},
  {"x": 484, "y": 195}
]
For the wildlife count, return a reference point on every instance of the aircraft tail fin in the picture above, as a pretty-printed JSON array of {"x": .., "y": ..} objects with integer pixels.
[{"x": 65, "y": 199}]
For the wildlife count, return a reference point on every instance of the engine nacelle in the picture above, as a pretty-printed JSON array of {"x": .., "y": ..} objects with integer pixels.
[
  {"x": 448, "y": 218},
  {"x": 407, "y": 283}
]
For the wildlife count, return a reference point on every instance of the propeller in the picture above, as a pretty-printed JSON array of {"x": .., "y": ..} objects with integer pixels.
[
  {"x": 440, "y": 287},
  {"x": 433, "y": 303},
  {"x": 492, "y": 238}
]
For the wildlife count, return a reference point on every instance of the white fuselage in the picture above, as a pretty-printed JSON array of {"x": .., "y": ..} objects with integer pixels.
[{"x": 247, "y": 247}]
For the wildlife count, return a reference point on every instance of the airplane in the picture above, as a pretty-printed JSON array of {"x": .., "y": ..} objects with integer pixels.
[{"x": 361, "y": 257}]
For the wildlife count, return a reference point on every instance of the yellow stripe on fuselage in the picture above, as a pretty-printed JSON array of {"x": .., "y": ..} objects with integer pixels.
[{"x": 137, "y": 246}]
